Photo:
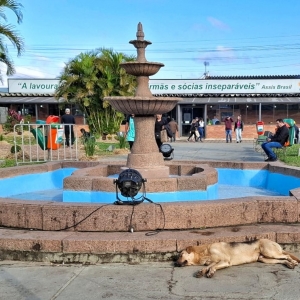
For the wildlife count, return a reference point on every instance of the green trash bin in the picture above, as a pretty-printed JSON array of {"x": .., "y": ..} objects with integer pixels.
[{"x": 291, "y": 123}]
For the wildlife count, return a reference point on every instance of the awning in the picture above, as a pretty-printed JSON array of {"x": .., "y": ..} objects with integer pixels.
[
  {"x": 240, "y": 100},
  {"x": 29, "y": 100},
  {"x": 185, "y": 100}
]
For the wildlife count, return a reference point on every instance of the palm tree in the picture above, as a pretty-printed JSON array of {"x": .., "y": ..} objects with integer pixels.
[
  {"x": 91, "y": 76},
  {"x": 7, "y": 32}
]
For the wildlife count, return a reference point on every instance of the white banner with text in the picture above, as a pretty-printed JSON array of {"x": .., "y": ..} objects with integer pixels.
[{"x": 178, "y": 86}]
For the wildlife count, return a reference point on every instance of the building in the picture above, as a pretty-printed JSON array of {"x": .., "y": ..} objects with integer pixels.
[{"x": 255, "y": 98}]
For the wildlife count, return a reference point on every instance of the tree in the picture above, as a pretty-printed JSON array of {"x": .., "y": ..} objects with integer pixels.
[
  {"x": 90, "y": 77},
  {"x": 7, "y": 32}
]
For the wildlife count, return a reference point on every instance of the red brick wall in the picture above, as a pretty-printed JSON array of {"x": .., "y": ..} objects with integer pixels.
[{"x": 218, "y": 131}]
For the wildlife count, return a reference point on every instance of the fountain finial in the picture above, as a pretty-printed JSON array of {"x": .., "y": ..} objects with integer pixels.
[{"x": 140, "y": 33}]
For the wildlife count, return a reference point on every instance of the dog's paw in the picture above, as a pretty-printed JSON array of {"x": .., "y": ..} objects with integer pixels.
[
  {"x": 290, "y": 264},
  {"x": 199, "y": 274},
  {"x": 210, "y": 274},
  {"x": 295, "y": 262}
]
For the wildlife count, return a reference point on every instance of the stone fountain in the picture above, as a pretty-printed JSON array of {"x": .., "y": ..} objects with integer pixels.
[{"x": 145, "y": 156}]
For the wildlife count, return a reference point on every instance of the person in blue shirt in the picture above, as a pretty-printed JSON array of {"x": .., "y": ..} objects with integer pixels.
[{"x": 130, "y": 130}]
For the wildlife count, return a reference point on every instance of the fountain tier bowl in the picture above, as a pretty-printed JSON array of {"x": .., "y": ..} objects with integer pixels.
[
  {"x": 137, "y": 68},
  {"x": 143, "y": 105}
]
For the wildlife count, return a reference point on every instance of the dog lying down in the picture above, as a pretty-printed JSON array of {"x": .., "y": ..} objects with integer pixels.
[{"x": 223, "y": 255}]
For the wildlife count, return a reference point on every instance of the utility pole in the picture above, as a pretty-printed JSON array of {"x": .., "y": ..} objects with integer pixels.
[{"x": 206, "y": 64}]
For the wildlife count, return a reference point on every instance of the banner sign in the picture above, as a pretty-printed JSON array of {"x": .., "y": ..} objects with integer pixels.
[
  {"x": 224, "y": 86},
  {"x": 177, "y": 86},
  {"x": 32, "y": 86}
]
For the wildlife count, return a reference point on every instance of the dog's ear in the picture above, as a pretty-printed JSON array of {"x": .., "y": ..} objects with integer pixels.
[{"x": 189, "y": 249}]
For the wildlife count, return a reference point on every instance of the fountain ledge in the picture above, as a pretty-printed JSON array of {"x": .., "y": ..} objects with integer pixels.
[{"x": 41, "y": 215}]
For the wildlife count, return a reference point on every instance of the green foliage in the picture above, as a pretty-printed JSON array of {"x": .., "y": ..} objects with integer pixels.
[
  {"x": 8, "y": 126},
  {"x": 122, "y": 140},
  {"x": 90, "y": 77},
  {"x": 8, "y": 34},
  {"x": 291, "y": 156},
  {"x": 1, "y": 137},
  {"x": 89, "y": 146},
  {"x": 8, "y": 163},
  {"x": 27, "y": 120},
  {"x": 15, "y": 148}
]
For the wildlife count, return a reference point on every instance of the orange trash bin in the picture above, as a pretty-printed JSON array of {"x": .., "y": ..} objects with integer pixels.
[
  {"x": 52, "y": 119},
  {"x": 52, "y": 132}
]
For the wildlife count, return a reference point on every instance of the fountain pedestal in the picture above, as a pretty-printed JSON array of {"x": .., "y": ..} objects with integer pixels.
[{"x": 145, "y": 156}]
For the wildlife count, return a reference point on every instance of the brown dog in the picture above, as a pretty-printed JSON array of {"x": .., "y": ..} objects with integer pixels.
[{"x": 223, "y": 255}]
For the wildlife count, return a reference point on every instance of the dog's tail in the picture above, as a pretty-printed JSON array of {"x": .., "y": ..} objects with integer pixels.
[{"x": 292, "y": 256}]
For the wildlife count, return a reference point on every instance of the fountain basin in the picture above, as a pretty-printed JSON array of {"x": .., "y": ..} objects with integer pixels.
[
  {"x": 143, "y": 105},
  {"x": 180, "y": 215}
]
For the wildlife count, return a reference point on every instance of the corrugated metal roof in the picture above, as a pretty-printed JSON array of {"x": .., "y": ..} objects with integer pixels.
[
  {"x": 231, "y": 95},
  {"x": 255, "y": 77},
  {"x": 28, "y": 99}
]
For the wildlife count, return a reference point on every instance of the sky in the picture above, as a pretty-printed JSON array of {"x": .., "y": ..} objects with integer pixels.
[{"x": 232, "y": 37}]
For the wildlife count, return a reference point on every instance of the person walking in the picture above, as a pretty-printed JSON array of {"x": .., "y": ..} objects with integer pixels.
[
  {"x": 201, "y": 129},
  {"x": 174, "y": 128},
  {"x": 277, "y": 140},
  {"x": 238, "y": 128},
  {"x": 193, "y": 128},
  {"x": 228, "y": 129},
  {"x": 68, "y": 120},
  {"x": 130, "y": 130}
]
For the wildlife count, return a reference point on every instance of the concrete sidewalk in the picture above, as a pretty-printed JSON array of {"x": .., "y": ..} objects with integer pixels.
[{"x": 36, "y": 281}]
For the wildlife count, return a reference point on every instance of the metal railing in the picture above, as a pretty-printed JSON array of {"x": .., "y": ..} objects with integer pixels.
[{"x": 35, "y": 143}]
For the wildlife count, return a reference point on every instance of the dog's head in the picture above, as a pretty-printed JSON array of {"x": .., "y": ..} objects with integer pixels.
[{"x": 186, "y": 257}]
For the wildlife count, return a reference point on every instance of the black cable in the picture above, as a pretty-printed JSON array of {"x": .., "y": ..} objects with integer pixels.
[
  {"x": 133, "y": 202},
  {"x": 156, "y": 231},
  {"x": 68, "y": 227}
]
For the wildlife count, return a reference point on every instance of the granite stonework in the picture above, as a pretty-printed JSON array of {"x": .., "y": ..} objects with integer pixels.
[
  {"x": 41, "y": 215},
  {"x": 108, "y": 247}
]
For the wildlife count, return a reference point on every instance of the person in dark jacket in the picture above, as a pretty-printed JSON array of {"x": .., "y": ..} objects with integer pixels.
[
  {"x": 85, "y": 134},
  {"x": 193, "y": 128},
  {"x": 297, "y": 133},
  {"x": 68, "y": 120},
  {"x": 158, "y": 127},
  {"x": 228, "y": 129},
  {"x": 276, "y": 141}
]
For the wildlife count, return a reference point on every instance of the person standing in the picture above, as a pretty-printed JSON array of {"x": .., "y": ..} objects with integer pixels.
[
  {"x": 158, "y": 127},
  {"x": 130, "y": 130},
  {"x": 277, "y": 140},
  {"x": 228, "y": 129},
  {"x": 214, "y": 120},
  {"x": 296, "y": 134},
  {"x": 174, "y": 128},
  {"x": 68, "y": 120},
  {"x": 201, "y": 129},
  {"x": 238, "y": 128}
]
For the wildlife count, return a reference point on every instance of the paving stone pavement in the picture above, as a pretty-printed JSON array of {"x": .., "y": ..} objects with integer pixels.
[{"x": 217, "y": 150}]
